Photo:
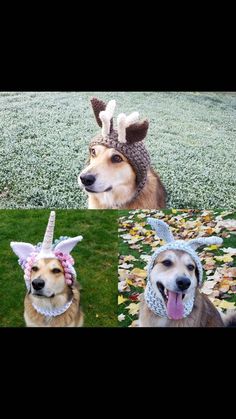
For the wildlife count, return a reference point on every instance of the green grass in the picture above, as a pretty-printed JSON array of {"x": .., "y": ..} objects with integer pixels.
[
  {"x": 44, "y": 139},
  {"x": 95, "y": 261}
]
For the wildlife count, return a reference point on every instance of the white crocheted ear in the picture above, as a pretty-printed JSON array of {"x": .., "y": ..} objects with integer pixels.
[
  {"x": 124, "y": 122},
  {"x": 22, "y": 250},
  {"x": 162, "y": 229},
  {"x": 66, "y": 246},
  {"x": 106, "y": 117},
  {"x": 204, "y": 241}
]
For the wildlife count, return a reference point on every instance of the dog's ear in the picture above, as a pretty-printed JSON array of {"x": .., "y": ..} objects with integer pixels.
[
  {"x": 99, "y": 106},
  {"x": 137, "y": 132},
  {"x": 22, "y": 250},
  {"x": 67, "y": 245}
]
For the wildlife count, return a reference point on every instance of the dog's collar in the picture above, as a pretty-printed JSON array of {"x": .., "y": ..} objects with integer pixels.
[
  {"x": 54, "y": 312},
  {"x": 158, "y": 307}
]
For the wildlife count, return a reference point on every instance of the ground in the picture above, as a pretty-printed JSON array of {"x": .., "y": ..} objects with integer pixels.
[
  {"x": 44, "y": 139},
  {"x": 95, "y": 261},
  {"x": 137, "y": 242}
]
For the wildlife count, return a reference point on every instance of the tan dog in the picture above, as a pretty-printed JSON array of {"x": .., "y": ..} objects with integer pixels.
[
  {"x": 53, "y": 297},
  {"x": 175, "y": 271},
  {"x": 112, "y": 179},
  {"x": 119, "y": 174},
  {"x": 49, "y": 291}
]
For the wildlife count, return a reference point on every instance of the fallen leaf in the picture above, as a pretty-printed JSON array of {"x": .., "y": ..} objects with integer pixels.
[
  {"x": 133, "y": 308},
  {"x": 226, "y": 258},
  {"x": 121, "y": 299},
  {"x": 121, "y": 317},
  {"x": 141, "y": 273},
  {"x": 226, "y": 305}
]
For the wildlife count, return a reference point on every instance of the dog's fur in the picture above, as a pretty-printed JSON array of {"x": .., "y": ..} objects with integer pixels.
[
  {"x": 55, "y": 294},
  {"x": 204, "y": 313},
  {"x": 115, "y": 183}
]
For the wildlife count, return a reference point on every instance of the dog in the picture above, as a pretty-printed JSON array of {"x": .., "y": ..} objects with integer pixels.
[
  {"x": 119, "y": 174},
  {"x": 175, "y": 279},
  {"x": 172, "y": 297},
  {"x": 53, "y": 297}
]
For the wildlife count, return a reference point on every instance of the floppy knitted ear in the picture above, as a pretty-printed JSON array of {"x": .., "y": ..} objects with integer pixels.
[
  {"x": 204, "y": 241},
  {"x": 22, "y": 250},
  {"x": 137, "y": 132},
  {"x": 67, "y": 245},
  {"x": 162, "y": 229},
  {"x": 99, "y": 106}
]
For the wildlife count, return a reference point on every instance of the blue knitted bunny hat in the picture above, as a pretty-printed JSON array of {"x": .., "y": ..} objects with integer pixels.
[{"x": 163, "y": 231}]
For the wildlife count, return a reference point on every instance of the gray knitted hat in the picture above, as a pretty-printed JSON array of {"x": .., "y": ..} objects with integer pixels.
[
  {"x": 127, "y": 138},
  {"x": 163, "y": 231},
  {"x": 175, "y": 308}
]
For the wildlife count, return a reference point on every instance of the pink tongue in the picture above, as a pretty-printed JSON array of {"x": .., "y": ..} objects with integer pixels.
[{"x": 175, "y": 308}]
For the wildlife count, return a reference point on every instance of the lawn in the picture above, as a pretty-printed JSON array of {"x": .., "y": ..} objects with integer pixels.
[
  {"x": 137, "y": 243},
  {"x": 95, "y": 261},
  {"x": 44, "y": 139}
]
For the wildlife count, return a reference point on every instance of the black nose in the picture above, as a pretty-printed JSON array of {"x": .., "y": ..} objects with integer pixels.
[
  {"x": 87, "y": 180},
  {"x": 38, "y": 284},
  {"x": 183, "y": 283}
]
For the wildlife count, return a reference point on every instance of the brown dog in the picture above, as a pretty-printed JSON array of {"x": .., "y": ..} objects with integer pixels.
[
  {"x": 119, "y": 174},
  {"x": 50, "y": 292},
  {"x": 169, "y": 267},
  {"x": 53, "y": 297}
]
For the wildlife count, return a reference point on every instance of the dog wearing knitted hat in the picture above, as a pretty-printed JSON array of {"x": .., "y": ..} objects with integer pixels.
[
  {"x": 119, "y": 173},
  {"x": 172, "y": 297},
  {"x": 53, "y": 293}
]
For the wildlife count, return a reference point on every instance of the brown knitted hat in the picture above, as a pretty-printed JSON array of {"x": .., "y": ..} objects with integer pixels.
[{"x": 127, "y": 138}]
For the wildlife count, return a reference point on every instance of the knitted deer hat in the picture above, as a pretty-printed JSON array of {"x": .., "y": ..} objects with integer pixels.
[
  {"x": 175, "y": 306},
  {"x": 127, "y": 138},
  {"x": 28, "y": 253}
]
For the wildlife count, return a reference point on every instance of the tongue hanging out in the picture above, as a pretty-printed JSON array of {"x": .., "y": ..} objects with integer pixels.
[{"x": 175, "y": 308}]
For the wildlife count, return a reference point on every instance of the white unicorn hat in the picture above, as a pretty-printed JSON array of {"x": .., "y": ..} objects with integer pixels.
[{"x": 28, "y": 253}]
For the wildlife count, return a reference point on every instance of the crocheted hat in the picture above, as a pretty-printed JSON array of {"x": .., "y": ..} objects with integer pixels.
[
  {"x": 175, "y": 308},
  {"x": 163, "y": 231},
  {"x": 127, "y": 138},
  {"x": 28, "y": 253}
]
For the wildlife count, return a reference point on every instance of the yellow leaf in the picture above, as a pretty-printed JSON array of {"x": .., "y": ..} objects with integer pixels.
[
  {"x": 133, "y": 308},
  {"x": 212, "y": 247},
  {"x": 226, "y": 258},
  {"x": 129, "y": 282},
  {"x": 141, "y": 273},
  {"x": 225, "y": 304},
  {"x": 121, "y": 299},
  {"x": 174, "y": 211}
]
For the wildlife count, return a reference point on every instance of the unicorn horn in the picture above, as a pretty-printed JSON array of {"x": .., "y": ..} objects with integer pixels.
[{"x": 46, "y": 249}]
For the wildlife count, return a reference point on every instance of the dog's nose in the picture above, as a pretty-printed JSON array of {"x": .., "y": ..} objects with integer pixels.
[
  {"x": 87, "y": 180},
  {"x": 183, "y": 283},
  {"x": 38, "y": 284}
]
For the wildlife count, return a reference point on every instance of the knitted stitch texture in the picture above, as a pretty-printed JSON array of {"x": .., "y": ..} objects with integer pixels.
[{"x": 129, "y": 142}]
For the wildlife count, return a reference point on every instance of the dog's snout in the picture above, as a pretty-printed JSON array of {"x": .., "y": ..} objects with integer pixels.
[
  {"x": 183, "y": 283},
  {"x": 87, "y": 180},
  {"x": 38, "y": 284}
]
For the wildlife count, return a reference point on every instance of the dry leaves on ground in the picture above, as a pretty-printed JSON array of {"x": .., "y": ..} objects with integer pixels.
[{"x": 138, "y": 242}]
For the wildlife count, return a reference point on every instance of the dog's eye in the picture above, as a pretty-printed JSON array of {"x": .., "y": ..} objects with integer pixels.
[
  {"x": 116, "y": 158},
  {"x": 167, "y": 262},
  {"x": 56, "y": 271},
  {"x": 190, "y": 267},
  {"x": 35, "y": 268},
  {"x": 93, "y": 152}
]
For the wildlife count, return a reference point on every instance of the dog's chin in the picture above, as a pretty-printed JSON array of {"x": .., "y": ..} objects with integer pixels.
[{"x": 91, "y": 190}]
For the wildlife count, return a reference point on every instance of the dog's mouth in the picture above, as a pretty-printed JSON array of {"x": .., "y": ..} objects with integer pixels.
[
  {"x": 173, "y": 302},
  {"x": 93, "y": 191},
  {"x": 40, "y": 295}
]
